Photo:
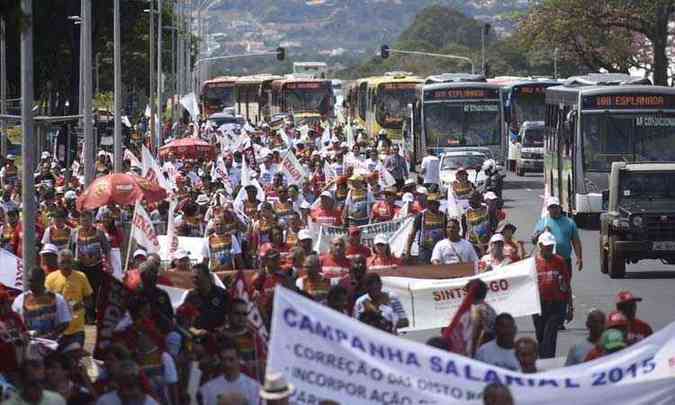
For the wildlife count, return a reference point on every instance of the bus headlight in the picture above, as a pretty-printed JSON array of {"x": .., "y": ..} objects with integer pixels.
[{"x": 636, "y": 221}]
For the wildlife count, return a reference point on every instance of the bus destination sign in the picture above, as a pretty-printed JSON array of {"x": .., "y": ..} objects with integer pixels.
[
  {"x": 532, "y": 89},
  {"x": 461, "y": 94},
  {"x": 304, "y": 86},
  {"x": 628, "y": 101},
  {"x": 399, "y": 86}
]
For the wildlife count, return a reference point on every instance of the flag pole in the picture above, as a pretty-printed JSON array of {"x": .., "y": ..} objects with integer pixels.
[{"x": 131, "y": 239}]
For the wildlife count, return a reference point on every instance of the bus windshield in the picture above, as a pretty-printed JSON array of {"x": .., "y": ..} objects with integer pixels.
[
  {"x": 462, "y": 124},
  {"x": 392, "y": 106},
  {"x": 644, "y": 185},
  {"x": 631, "y": 137},
  {"x": 218, "y": 97},
  {"x": 528, "y": 107},
  {"x": 533, "y": 138},
  {"x": 308, "y": 99}
]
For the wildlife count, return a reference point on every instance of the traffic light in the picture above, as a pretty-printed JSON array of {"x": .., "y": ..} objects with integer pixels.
[
  {"x": 281, "y": 53},
  {"x": 384, "y": 51}
]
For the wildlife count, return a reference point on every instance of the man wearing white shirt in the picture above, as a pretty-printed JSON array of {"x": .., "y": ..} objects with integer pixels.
[
  {"x": 230, "y": 379},
  {"x": 430, "y": 170},
  {"x": 453, "y": 249}
]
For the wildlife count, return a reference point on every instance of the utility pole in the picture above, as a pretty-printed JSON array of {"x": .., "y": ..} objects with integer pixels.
[
  {"x": 28, "y": 143},
  {"x": 555, "y": 63},
  {"x": 117, "y": 98},
  {"x": 159, "y": 76},
  {"x": 151, "y": 47},
  {"x": 485, "y": 30},
  {"x": 89, "y": 140},
  {"x": 3, "y": 84}
]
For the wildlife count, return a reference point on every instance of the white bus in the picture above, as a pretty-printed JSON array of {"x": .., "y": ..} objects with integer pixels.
[{"x": 311, "y": 70}]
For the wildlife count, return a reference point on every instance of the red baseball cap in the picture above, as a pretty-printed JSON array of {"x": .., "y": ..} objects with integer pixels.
[
  {"x": 625, "y": 297},
  {"x": 615, "y": 319}
]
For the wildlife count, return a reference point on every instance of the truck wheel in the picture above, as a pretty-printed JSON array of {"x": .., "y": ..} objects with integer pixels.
[
  {"x": 604, "y": 266},
  {"x": 615, "y": 262}
]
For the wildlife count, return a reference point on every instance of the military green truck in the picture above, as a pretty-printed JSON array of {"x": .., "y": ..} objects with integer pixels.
[{"x": 639, "y": 221}]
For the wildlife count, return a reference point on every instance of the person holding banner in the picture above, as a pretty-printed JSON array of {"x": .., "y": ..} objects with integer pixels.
[
  {"x": 354, "y": 245},
  {"x": 382, "y": 257},
  {"x": 385, "y": 303}
]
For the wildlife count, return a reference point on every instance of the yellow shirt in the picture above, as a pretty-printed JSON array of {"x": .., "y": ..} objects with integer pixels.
[{"x": 74, "y": 289}]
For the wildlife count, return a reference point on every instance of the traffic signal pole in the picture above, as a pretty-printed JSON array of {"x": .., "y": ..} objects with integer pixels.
[{"x": 386, "y": 50}]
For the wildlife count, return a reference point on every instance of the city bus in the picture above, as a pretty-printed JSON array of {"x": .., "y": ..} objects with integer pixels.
[
  {"x": 306, "y": 99},
  {"x": 383, "y": 101},
  {"x": 594, "y": 120},
  {"x": 524, "y": 100},
  {"x": 450, "y": 114},
  {"x": 217, "y": 94},
  {"x": 252, "y": 95}
]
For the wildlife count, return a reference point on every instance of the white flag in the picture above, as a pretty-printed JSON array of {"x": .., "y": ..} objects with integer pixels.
[
  {"x": 151, "y": 169},
  {"x": 329, "y": 171},
  {"x": 398, "y": 241},
  {"x": 143, "y": 230},
  {"x": 12, "y": 270},
  {"x": 325, "y": 137},
  {"x": 125, "y": 121},
  {"x": 171, "y": 228},
  {"x": 189, "y": 101},
  {"x": 386, "y": 178},
  {"x": 129, "y": 155},
  {"x": 292, "y": 169}
]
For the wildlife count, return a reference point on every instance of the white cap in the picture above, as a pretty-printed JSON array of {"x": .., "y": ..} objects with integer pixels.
[
  {"x": 490, "y": 195},
  {"x": 46, "y": 155},
  {"x": 304, "y": 234},
  {"x": 381, "y": 239},
  {"x": 49, "y": 248},
  {"x": 101, "y": 153},
  {"x": 546, "y": 239},
  {"x": 202, "y": 199},
  {"x": 552, "y": 201},
  {"x": 70, "y": 195},
  {"x": 326, "y": 193},
  {"x": 140, "y": 252},
  {"x": 180, "y": 254},
  {"x": 408, "y": 197},
  {"x": 11, "y": 157},
  {"x": 498, "y": 237},
  {"x": 422, "y": 190},
  {"x": 343, "y": 145}
]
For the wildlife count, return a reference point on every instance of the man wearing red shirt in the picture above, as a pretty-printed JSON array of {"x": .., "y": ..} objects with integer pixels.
[
  {"x": 554, "y": 280},
  {"x": 326, "y": 213},
  {"x": 354, "y": 245},
  {"x": 335, "y": 264},
  {"x": 386, "y": 209},
  {"x": 354, "y": 282},
  {"x": 626, "y": 303}
]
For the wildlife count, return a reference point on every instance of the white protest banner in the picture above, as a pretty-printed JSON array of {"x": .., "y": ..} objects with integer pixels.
[
  {"x": 368, "y": 233},
  {"x": 329, "y": 356},
  {"x": 193, "y": 246},
  {"x": 292, "y": 169},
  {"x": 133, "y": 160},
  {"x": 143, "y": 230},
  {"x": 433, "y": 303},
  {"x": 398, "y": 241},
  {"x": 189, "y": 102},
  {"x": 12, "y": 270}
]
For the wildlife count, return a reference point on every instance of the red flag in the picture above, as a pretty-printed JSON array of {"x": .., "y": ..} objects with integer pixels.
[
  {"x": 255, "y": 321},
  {"x": 111, "y": 306},
  {"x": 458, "y": 333}
]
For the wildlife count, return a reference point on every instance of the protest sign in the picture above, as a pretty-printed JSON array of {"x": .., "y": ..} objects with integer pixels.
[
  {"x": 143, "y": 231},
  {"x": 368, "y": 233},
  {"x": 432, "y": 303},
  {"x": 12, "y": 270},
  {"x": 329, "y": 356},
  {"x": 292, "y": 169},
  {"x": 194, "y": 247}
]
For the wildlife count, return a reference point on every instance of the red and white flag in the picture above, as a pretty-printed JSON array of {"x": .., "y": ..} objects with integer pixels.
[
  {"x": 143, "y": 231},
  {"x": 152, "y": 171},
  {"x": 240, "y": 291},
  {"x": 458, "y": 334},
  {"x": 171, "y": 228}
]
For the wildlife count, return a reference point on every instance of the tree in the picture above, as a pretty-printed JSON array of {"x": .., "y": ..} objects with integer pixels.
[{"x": 603, "y": 34}]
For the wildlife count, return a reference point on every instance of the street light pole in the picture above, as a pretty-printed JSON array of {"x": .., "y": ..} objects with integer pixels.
[
  {"x": 89, "y": 140},
  {"x": 3, "y": 84},
  {"x": 28, "y": 143},
  {"x": 436, "y": 55},
  {"x": 151, "y": 47},
  {"x": 555, "y": 63},
  {"x": 159, "y": 75},
  {"x": 117, "y": 99}
]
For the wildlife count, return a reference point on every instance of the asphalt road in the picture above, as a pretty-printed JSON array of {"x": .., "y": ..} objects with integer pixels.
[{"x": 650, "y": 279}]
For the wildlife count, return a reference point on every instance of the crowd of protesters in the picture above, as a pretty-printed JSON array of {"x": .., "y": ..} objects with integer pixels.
[{"x": 251, "y": 214}]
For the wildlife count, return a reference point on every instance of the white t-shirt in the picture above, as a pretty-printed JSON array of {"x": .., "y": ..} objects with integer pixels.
[
  {"x": 448, "y": 252},
  {"x": 112, "y": 398},
  {"x": 492, "y": 354},
  {"x": 244, "y": 385},
  {"x": 430, "y": 166},
  {"x": 63, "y": 314}
]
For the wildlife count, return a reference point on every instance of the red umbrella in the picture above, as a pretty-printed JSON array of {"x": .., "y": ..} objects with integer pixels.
[
  {"x": 120, "y": 188},
  {"x": 189, "y": 148}
]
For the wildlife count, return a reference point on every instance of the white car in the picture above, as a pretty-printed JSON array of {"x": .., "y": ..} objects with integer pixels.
[{"x": 472, "y": 161}]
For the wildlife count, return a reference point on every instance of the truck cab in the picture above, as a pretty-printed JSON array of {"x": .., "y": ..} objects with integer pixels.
[
  {"x": 640, "y": 219},
  {"x": 530, "y": 148}
]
